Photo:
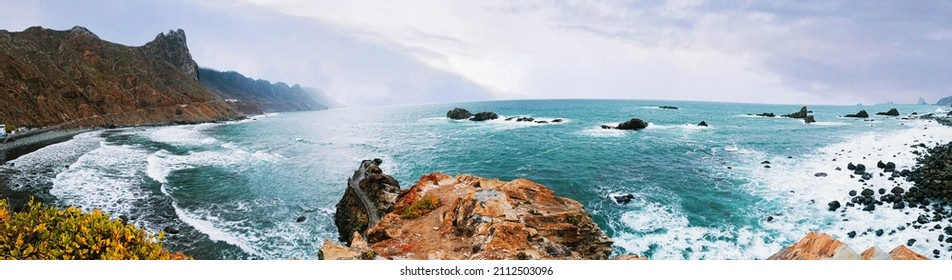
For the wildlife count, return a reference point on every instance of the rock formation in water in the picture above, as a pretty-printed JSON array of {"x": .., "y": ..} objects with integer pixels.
[
  {"x": 860, "y": 114},
  {"x": 469, "y": 217},
  {"x": 73, "y": 78},
  {"x": 633, "y": 124},
  {"x": 922, "y": 101},
  {"x": 798, "y": 115},
  {"x": 809, "y": 119},
  {"x": 891, "y": 112},
  {"x": 821, "y": 246}
]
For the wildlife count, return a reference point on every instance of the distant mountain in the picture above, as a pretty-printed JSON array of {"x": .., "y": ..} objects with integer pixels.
[
  {"x": 323, "y": 98},
  {"x": 250, "y": 94},
  {"x": 922, "y": 101},
  {"x": 73, "y": 78},
  {"x": 947, "y": 101}
]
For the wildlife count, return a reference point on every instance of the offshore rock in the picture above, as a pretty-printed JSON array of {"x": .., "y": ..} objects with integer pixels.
[
  {"x": 798, "y": 115},
  {"x": 633, "y": 124},
  {"x": 809, "y": 119},
  {"x": 370, "y": 195},
  {"x": 459, "y": 114},
  {"x": 891, "y": 112},
  {"x": 479, "y": 218},
  {"x": 860, "y": 114},
  {"x": 821, "y": 246},
  {"x": 484, "y": 116}
]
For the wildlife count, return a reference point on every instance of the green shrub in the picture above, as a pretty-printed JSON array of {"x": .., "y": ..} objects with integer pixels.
[
  {"x": 421, "y": 207},
  {"x": 46, "y": 233}
]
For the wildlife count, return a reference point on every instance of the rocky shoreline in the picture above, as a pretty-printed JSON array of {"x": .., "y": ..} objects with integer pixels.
[{"x": 462, "y": 218}]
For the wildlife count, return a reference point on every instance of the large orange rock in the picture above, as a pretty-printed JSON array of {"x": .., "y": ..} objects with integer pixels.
[
  {"x": 821, "y": 246},
  {"x": 480, "y": 218}
]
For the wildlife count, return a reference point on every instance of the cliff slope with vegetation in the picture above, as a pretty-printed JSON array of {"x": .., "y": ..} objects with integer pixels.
[{"x": 73, "y": 78}]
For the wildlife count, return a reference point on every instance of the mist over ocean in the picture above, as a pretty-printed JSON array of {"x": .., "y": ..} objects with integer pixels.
[{"x": 235, "y": 190}]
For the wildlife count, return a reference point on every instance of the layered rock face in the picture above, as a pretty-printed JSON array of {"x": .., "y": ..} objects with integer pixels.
[
  {"x": 821, "y": 246},
  {"x": 74, "y": 78},
  {"x": 369, "y": 196},
  {"x": 469, "y": 217}
]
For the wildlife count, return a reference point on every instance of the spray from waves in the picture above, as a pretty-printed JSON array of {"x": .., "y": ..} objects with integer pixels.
[
  {"x": 801, "y": 197},
  {"x": 663, "y": 232},
  {"x": 104, "y": 178},
  {"x": 183, "y": 135},
  {"x": 39, "y": 167}
]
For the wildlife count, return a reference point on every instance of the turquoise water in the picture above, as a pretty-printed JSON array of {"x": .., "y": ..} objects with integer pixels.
[{"x": 234, "y": 190}]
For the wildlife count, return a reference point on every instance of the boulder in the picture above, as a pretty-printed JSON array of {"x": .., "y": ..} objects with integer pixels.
[
  {"x": 769, "y": 115},
  {"x": 368, "y": 196},
  {"x": 702, "y": 123},
  {"x": 558, "y": 120},
  {"x": 809, "y": 119},
  {"x": 860, "y": 114},
  {"x": 891, "y": 112},
  {"x": 484, "y": 116},
  {"x": 459, "y": 114},
  {"x": 633, "y": 124},
  {"x": 834, "y": 205},
  {"x": 668, "y": 107}
]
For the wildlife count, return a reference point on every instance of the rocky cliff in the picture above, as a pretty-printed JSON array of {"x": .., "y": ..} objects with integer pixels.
[
  {"x": 258, "y": 95},
  {"x": 821, "y": 246},
  {"x": 461, "y": 217},
  {"x": 73, "y": 78},
  {"x": 945, "y": 101}
]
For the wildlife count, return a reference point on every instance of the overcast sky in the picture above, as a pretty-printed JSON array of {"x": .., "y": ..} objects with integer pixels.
[{"x": 405, "y": 52}]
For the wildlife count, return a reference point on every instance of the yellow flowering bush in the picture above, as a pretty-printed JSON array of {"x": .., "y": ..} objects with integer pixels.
[{"x": 47, "y": 233}]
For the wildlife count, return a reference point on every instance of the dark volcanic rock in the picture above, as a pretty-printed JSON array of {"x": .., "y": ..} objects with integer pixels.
[
  {"x": 851, "y": 166},
  {"x": 170, "y": 230},
  {"x": 820, "y": 174},
  {"x": 860, "y": 114},
  {"x": 459, "y": 114},
  {"x": 834, "y": 205},
  {"x": 860, "y": 169},
  {"x": 769, "y": 115},
  {"x": 798, "y": 115},
  {"x": 484, "y": 116},
  {"x": 624, "y": 199},
  {"x": 668, "y": 107},
  {"x": 891, "y": 112},
  {"x": 702, "y": 123},
  {"x": 607, "y": 127},
  {"x": 809, "y": 119},
  {"x": 633, "y": 124},
  {"x": 369, "y": 195},
  {"x": 301, "y": 219}
]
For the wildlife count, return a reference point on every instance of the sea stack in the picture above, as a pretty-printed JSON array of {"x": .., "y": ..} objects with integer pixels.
[
  {"x": 891, "y": 112},
  {"x": 798, "y": 115},
  {"x": 860, "y": 114}
]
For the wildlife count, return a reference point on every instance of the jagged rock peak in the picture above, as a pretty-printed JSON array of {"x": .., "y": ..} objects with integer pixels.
[
  {"x": 82, "y": 31},
  {"x": 173, "y": 47}
]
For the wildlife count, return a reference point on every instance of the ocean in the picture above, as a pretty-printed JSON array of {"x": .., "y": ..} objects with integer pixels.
[{"x": 236, "y": 190}]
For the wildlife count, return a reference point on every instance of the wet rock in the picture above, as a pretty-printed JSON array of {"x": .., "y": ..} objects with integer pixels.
[
  {"x": 869, "y": 208},
  {"x": 798, "y": 115},
  {"x": 890, "y": 167},
  {"x": 879, "y": 232},
  {"x": 606, "y": 127},
  {"x": 851, "y": 234},
  {"x": 892, "y": 112},
  {"x": 702, "y": 123},
  {"x": 624, "y": 199},
  {"x": 820, "y": 174},
  {"x": 170, "y": 230},
  {"x": 769, "y": 115},
  {"x": 834, "y": 205},
  {"x": 897, "y": 190},
  {"x": 867, "y": 192},
  {"x": 668, "y": 107},
  {"x": 459, "y": 114},
  {"x": 809, "y": 119},
  {"x": 852, "y": 193},
  {"x": 881, "y": 164},
  {"x": 882, "y": 191},
  {"x": 923, "y": 219},
  {"x": 860, "y": 114},
  {"x": 484, "y": 116},
  {"x": 860, "y": 169},
  {"x": 910, "y": 242},
  {"x": 301, "y": 219},
  {"x": 557, "y": 120},
  {"x": 850, "y": 166},
  {"x": 633, "y": 124}
]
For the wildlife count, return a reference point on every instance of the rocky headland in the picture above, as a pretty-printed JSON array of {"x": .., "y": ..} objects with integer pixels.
[
  {"x": 72, "y": 78},
  {"x": 460, "y": 217}
]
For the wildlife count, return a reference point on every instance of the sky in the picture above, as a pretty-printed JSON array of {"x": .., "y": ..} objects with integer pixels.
[{"x": 374, "y": 53}]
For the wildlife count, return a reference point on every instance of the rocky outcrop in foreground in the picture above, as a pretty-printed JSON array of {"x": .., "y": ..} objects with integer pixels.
[
  {"x": 370, "y": 195},
  {"x": 467, "y": 217},
  {"x": 821, "y": 246}
]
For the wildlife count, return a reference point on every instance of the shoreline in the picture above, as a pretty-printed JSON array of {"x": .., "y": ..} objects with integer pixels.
[{"x": 18, "y": 145}]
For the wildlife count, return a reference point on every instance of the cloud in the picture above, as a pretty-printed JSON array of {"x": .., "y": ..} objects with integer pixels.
[{"x": 389, "y": 52}]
